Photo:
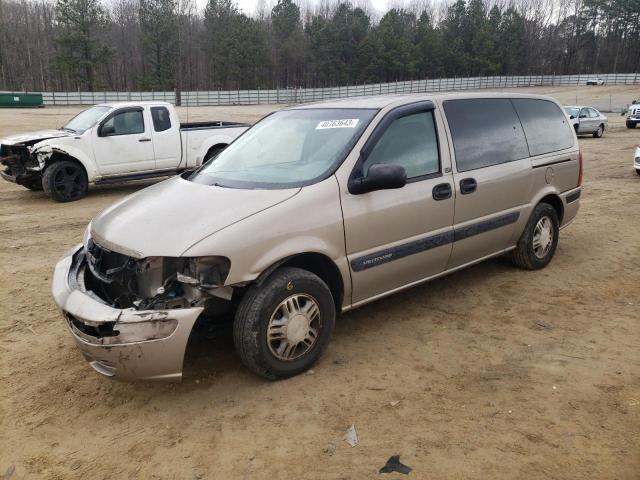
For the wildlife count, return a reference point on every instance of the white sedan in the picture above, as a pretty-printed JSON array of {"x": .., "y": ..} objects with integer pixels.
[{"x": 587, "y": 120}]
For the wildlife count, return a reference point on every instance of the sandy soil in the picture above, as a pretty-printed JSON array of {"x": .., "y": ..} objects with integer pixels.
[{"x": 499, "y": 373}]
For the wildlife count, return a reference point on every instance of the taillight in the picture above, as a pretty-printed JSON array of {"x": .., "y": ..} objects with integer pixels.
[{"x": 580, "y": 168}]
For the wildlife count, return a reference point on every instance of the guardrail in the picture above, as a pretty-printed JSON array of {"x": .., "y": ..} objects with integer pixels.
[{"x": 303, "y": 95}]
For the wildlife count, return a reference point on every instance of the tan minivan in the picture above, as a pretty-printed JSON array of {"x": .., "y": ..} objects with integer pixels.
[{"x": 316, "y": 210}]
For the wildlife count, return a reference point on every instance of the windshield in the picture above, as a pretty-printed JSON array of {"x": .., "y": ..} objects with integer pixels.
[
  {"x": 572, "y": 111},
  {"x": 86, "y": 119},
  {"x": 288, "y": 149}
]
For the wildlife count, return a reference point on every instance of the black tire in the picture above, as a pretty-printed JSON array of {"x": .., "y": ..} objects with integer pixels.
[
  {"x": 523, "y": 255},
  {"x": 213, "y": 153},
  {"x": 638, "y": 171},
  {"x": 65, "y": 181},
  {"x": 598, "y": 133},
  {"x": 631, "y": 124},
  {"x": 258, "y": 306}
]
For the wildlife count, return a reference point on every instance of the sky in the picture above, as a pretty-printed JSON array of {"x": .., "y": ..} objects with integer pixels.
[{"x": 249, "y": 6}]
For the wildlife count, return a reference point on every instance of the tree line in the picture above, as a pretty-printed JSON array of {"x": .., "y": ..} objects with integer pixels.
[{"x": 172, "y": 44}]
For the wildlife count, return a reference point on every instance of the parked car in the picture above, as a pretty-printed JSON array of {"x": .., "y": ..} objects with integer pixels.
[
  {"x": 636, "y": 160},
  {"x": 316, "y": 210},
  {"x": 587, "y": 120},
  {"x": 108, "y": 143},
  {"x": 595, "y": 81},
  {"x": 633, "y": 115}
]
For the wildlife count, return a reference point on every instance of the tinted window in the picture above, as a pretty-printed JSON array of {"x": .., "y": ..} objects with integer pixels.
[
  {"x": 485, "y": 131},
  {"x": 545, "y": 127},
  {"x": 161, "y": 120},
  {"x": 127, "y": 123},
  {"x": 410, "y": 142}
]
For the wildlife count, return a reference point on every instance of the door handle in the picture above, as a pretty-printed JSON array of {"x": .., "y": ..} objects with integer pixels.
[
  {"x": 441, "y": 191},
  {"x": 468, "y": 185},
  {"x": 144, "y": 140}
]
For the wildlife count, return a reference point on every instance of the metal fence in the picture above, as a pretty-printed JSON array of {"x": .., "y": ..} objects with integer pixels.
[{"x": 303, "y": 95}]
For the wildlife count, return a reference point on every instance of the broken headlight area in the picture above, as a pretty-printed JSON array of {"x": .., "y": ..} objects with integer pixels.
[
  {"x": 153, "y": 282},
  {"x": 18, "y": 161}
]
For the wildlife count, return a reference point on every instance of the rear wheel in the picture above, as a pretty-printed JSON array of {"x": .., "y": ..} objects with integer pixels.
[
  {"x": 539, "y": 241},
  {"x": 631, "y": 124},
  {"x": 65, "y": 181},
  {"x": 283, "y": 324},
  {"x": 638, "y": 171},
  {"x": 598, "y": 133}
]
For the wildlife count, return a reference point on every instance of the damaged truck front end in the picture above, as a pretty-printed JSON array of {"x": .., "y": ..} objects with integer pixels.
[
  {"x": 20, "y": 166},
  {"x": 131, "y": 317}
]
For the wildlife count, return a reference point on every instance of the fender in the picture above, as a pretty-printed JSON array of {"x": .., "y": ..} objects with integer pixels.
[
  {"x": 43, "y": 151},
  {"x": 527, "y": 209}
]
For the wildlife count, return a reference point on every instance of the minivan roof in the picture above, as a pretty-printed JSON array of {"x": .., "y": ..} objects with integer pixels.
[{"x": 382, "y": 101}]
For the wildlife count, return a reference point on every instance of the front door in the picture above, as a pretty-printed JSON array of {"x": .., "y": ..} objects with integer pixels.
[
  {"x": 398, "y": 237},
  {"x": 492, "y": 175},
  {"x": 586, "y": 122},
  {"x": 123, "y": 143}
]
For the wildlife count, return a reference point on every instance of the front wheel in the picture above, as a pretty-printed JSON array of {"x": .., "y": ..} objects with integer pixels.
[
  {"x": 65, "y": 181},
  {"x": 631, "y": 124},
  {"x": 539, "y": 241},
  {"x": 598, "y": 133},
  {"x": 638, "y": 171},
  {"x": 283, "y": 324}
]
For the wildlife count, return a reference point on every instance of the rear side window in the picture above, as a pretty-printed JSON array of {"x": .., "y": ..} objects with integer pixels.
[
  {"x": 485, "y": 132},
  {"x": 545, "y": 126},
  {"x": 410, "y": 142},
  {"x": 161, "y": 120}
]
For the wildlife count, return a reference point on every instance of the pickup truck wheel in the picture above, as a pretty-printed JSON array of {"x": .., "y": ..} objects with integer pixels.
[
  {"x": 598, "y": 133},
  {"x": 539, "y": 241},
  {"x": 631, "y": 124},
  {"x": 283, "y": 324},
  {"x": 65, "y": 181}
]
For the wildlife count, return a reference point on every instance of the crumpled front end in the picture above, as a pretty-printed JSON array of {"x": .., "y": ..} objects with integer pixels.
[
  {"x": 128, "y": 317},
  {"x": 20, "y": 166}
]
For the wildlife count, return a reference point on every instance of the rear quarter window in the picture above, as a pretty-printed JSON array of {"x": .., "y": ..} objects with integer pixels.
[
  {"x": 485, "y": 132},
  {"x": 545, "y": 126}
]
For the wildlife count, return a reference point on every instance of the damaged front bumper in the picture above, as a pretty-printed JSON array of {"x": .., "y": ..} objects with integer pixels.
[
  {"x": 126, "y": 344},
  {"x": 20, "y": 166}
]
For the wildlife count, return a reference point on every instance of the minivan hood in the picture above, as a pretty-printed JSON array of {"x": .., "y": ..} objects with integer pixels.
[
  {"x": 166, "y": 219},
  {"x": 34, "y": 136}
]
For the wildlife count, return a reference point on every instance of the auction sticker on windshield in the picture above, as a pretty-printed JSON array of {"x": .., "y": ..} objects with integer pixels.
[{"x": 344, "y": 123}]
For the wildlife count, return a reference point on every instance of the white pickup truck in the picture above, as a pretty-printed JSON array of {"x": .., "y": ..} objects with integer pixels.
[{"x": 109, "y": 143}]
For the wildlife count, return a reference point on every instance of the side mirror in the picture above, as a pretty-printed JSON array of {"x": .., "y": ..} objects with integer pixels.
[
  {"x": 379, "y": 177},
  {"x": 571, "y": 117},
  {"x": 105, "y": 130}
]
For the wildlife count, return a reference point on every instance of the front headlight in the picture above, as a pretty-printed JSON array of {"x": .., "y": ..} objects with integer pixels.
[{"x": 205, "y": 272}]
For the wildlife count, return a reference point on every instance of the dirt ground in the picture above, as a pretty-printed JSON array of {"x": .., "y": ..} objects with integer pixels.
[{"x": 490, "y": 373}]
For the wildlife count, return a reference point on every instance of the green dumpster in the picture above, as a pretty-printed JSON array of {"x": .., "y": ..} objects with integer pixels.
[{"x": 20, "y": 99}]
